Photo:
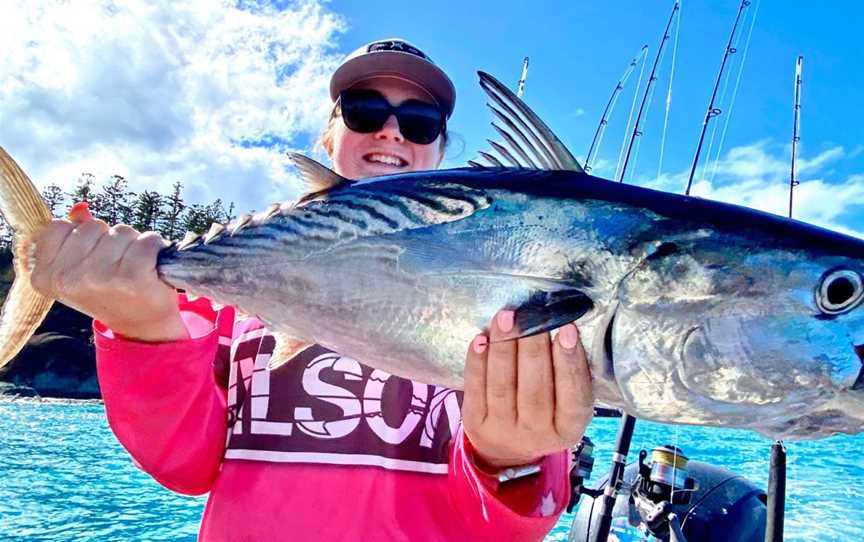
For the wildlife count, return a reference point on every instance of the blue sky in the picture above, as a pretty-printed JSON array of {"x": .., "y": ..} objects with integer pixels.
[
  {"x": 579, "y": 49},
  {"x": 166, "y": 91}
]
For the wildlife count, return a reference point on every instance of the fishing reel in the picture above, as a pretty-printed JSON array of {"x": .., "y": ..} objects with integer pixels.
[
  {"x": 580, "y": 471},
  {"x": 669, "y": 498},
  {"x": 660, "y": 485}
]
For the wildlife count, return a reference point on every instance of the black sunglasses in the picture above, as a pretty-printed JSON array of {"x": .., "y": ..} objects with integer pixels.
[{"x": 366, "y": 111}]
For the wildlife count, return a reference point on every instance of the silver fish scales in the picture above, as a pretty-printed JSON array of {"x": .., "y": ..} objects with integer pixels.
[{"x": 691, "y": 311}]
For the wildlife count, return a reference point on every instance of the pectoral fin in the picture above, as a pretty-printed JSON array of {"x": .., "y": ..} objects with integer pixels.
[
  {"x": 286, "y": 348},
  {"x": 548, "y": 310}
]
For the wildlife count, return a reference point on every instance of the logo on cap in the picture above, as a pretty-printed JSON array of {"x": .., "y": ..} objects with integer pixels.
[{"x": 396, "y": 45}]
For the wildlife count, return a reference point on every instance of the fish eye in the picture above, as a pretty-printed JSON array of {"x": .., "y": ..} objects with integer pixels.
[{"x": 840, "y": 291}]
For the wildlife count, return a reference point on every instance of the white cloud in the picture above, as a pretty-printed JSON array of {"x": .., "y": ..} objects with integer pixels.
[
  {"x": 176, "y": 91},
  {"x": 803, "y": 165},
  {"x": 757, "y": 176}
]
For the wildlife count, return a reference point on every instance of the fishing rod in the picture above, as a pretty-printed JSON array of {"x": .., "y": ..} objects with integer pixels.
[
  {"x": 796, "y": 120},
  {"x": 732, "y": 101},
  {"x": 669, "y": 95},
  {"x": 601, "y": 128},
  {"x": 776, "y": 502},
  {"x": 651, "y": 79},
  {"x": 713, "y": 111},
  {"x": 629, "y": 120},
  {"x": 616, "y": 477},
  {"x": 520, "y": 86}
]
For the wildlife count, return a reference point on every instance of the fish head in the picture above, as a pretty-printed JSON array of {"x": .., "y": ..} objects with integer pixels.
[{"x": 744, "y": 334}]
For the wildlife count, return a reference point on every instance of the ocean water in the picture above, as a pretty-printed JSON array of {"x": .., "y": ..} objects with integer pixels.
[{"x": 63, "y": 476}]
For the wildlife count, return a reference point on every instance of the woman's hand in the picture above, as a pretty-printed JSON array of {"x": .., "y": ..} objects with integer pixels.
[
  {"x": 108, "y": 273},
  {"x": 525, "y": 398}
]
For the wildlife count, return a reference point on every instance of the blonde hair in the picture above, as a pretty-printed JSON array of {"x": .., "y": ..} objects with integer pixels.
[{"x": 325, "y": 140}]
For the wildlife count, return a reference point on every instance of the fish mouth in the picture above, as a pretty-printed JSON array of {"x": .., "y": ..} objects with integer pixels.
[{"x": 859, "y": 382}]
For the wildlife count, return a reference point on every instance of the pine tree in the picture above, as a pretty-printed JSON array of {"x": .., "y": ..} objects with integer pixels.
[
  {"x": 147, "y": 210},
  {"x": 171, "y": 223},
  {"x": 115, "y": 205},
  {"x": 84, "y": 192},
  {"x": 197, "y": 218},
  {"x": 217, "y": 211},
  {"x": 54, "y": 197}
]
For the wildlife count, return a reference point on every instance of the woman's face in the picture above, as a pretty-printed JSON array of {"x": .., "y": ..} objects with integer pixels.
[{"x": 385, "y": 151}]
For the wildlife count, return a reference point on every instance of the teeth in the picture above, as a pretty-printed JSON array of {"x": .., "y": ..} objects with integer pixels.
[{"x": 386, "y": 159}]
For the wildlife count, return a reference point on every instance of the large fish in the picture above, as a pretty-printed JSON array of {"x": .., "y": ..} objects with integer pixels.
[{"x": 691, "y": 311}]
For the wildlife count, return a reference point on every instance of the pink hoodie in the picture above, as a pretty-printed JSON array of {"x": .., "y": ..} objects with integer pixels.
[{"x": 322, "y": 448}]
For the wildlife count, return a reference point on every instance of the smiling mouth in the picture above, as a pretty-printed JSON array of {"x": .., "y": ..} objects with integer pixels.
[{"x": 385, "y": 159}]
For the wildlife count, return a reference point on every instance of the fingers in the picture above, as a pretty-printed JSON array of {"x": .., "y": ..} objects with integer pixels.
[
  {"x": 107, "y": 273},
  {"x": 474, "y": 400},
  {"x": 59, "y": 247},
  {"x": 535, "y": 401},
  {"x": 574, "y": 404},
  {"x": 111, "y": 249},
  {"x": 142, "y": 255},
  {"x": 47, "y": 244},
  {"x": 501, "y": 371},
  {"x": 69, "y": 264},
  {"x": 75, "y": 259},
  {"x": 525, "y": 398},
  {"x": 138, "y": 265}
]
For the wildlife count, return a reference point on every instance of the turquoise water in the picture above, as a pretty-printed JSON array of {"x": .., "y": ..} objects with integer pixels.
[{"x": 63, "y": 476}]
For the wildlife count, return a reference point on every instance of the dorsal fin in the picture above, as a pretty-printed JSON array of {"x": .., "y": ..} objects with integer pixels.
[
  {"x": 319, "y": 178},
  {"x": 526, "y": 135}
]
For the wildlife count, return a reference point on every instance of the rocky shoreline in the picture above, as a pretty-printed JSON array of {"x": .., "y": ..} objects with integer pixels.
[{"x": 10, "y": 393}]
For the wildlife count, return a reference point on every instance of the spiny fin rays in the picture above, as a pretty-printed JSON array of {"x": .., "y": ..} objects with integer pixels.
[
  {"x": 214, "y": 233},
  {"x": 190, "y": 239},
  {"x": 320, "y": 180},
  {"x": 535, "y": 138},
  {"x": 241, "y": 222},
  {"x": 504, "y": 153},
  {"x": 24, "y": 308},
  {"x": 513, "y": 145},
  {"x": 545, "y": 158},
  {"x": 218, "y": 230}
]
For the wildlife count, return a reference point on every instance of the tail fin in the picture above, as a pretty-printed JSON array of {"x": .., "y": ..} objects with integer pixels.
[{"x": 26, "y": 213}]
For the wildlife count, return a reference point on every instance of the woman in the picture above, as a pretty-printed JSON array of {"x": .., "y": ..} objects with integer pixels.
[{"x": 325, "y": 448}]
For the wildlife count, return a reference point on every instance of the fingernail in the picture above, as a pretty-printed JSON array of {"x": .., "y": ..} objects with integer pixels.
[
  {"x": 80, "y": 212},
  {"x": 505, "y": 320},
  {"x": 479, "y": 344},
  {"x": 568, "y": 336}
]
